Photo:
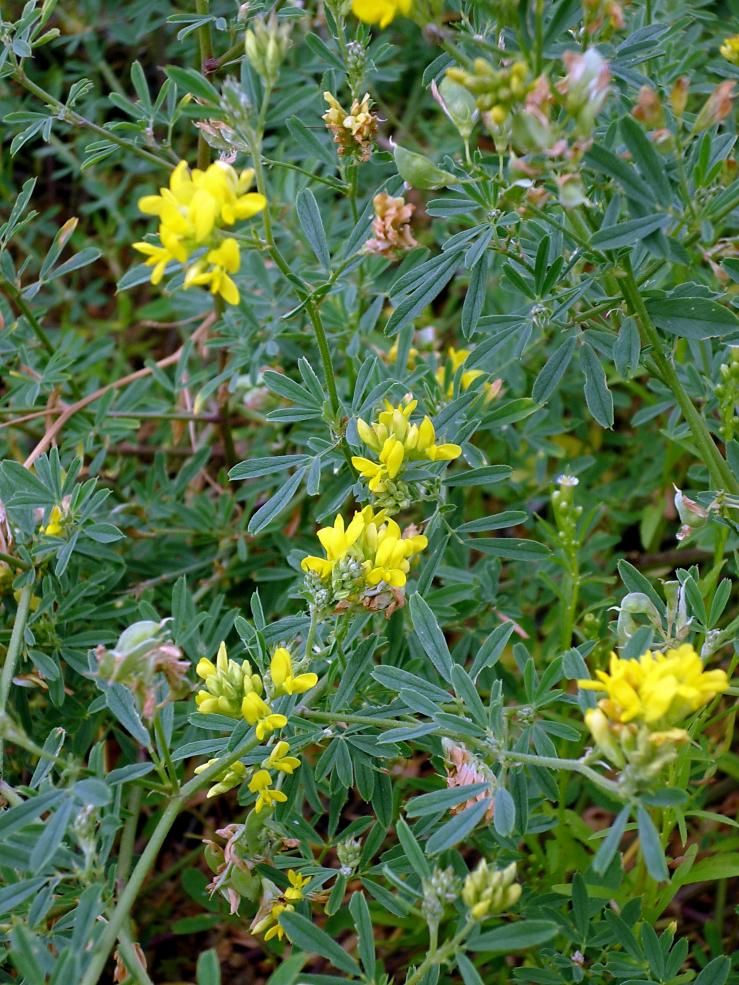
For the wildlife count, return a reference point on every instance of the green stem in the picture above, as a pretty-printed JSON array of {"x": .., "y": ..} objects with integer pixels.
[
  {"x": 128, "y": 897},
  {"x": 438, "y": 955},
  {"x": 718, "y": 470},
  {"x": 132, "y": 960},
  {"x": 164, "y": 746},
  {"x": 322, "y": 343},
  {"x": 14, "y": 649},
  {"x": 77, "y": 120},
  {"x": 128, "y": 838},
  {"x": 538, "y": 36},
  {"x": 310, "y": 638},
  {"x": 205, "y": 44}
]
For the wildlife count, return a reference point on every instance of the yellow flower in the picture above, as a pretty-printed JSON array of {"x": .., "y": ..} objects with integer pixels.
[
  {"x": 276, "y": 929},
  {"x": 397, "y": 441},
  {"x": 54, "y": 527},
  {"x": 267, "y": 796},
  {"x": 294, "y": 892},
  {"x": 226, "y": 684},
  {"x": 336, "y": 541},
  {"x": 231, "y": 777},
  {"x": 659, "y": 690},
  {"x": 380, "y": 12},
  {"x": 281, "y": 669},
  {"x": 257, "y": 712},
  {"x": 191, "y": 212},
  {"x": 223, "y": 260},
  {"x": 730, "y": 49},
  {"x": 455, "y": 359},
  {"x": 278, "y": 759}
]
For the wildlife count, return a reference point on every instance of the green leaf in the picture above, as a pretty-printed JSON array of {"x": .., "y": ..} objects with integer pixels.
[
  {"x": 51, "y": 837},
  {"x": 490, "y": 651},
  {"x": 497, "y": 521},
  {"x": 276, "y": 504},
  {"x": 597, "y": 395},
  {"x": 431, "y": 637},
  {"x": 17, "y": 818},
  {"x": 486, "y": 475},
  {"x": 363, "y": 924},
  {"x": 305, "y": 935},
  {"x": 208, "y": 969},
  {"x": 504, "y": 817},
  {"x": 467, "y": 693},
  {"x": 610, "y": 843},
  {"x": 254, "y": 468},
  {"x": 12, "y": 896},
  {"x": 188, "y": 80},
  {"x": 120, "y": 701},
  {"x": 475, "y": 297},
  {"x": 457, "y": 828},
  {"x": 470, "y": 975},
  {"x": 651, "y": 848},
  {"x": 512, "y": 548},
  {"x": 692, "y": 318},
  {"x": 650, "y": 165},
  {"x": 628, "y": 233},
  {"x": 310, "y": 142},
  {"x": 441, "y": 801},
  {"x": 515, "y": 936},
  {"x": 553, "y": 370},
  {"x": 311, "y": 223},
  {"x": 715, "y": 973}
]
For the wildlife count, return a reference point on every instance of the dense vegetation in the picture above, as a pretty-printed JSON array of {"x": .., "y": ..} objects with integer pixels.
[{"x": 369, "y": 490}]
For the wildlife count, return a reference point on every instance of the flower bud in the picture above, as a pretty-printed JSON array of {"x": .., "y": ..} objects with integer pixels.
[
  {"x": 489, "y": 891},
  {"x": 266, "y": 45}
]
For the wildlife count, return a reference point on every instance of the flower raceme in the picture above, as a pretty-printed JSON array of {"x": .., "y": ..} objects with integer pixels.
[
  {"x": 659, "y": 690},
  {"x": 397, "y": 442},
  {"x": 192, "y": 213},
  {"x": 456, "y": 358},
  {"x": 380, "y": 12},
  {"x": 366, "y": 563},
  {"x": 646, "y": 700},
  {"x": 353, "y": 132}
]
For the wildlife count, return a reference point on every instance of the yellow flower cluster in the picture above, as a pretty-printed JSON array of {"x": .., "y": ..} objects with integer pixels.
[
  {"x": 646, "y": 700},
  {"x": 54, "y": 526},
  {"x": 373, "y": 542},
  {"x": 232, "y": 689},
  {"x": 277, "y": 903},
  {"x": 380, "y": 12},
  {"x": 397, "y": 442},
  {"x": 192, "y": 212},
  {"x": 659, "y": 689},
  {"x": 730, "y": 49}
]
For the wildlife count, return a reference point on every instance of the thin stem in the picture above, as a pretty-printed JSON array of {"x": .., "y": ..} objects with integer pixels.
[
  {"x": 128, "y": 838},
  {"x": 164, "y": 746},
  {"x": 310, "y": 638},
  {"x": 128, "y": 897},
  {"x": 719, "y": 471},
  {"x": 512, "y": 756},
  {"x": 205, "y": 43},
  {"x": 131, "y": 959},
  {"x": 14, "y": 649},
  {"x": 76, "y": 119},
  {"x": 538, "y": 36},
  {"x": 438, "y": 955}
]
